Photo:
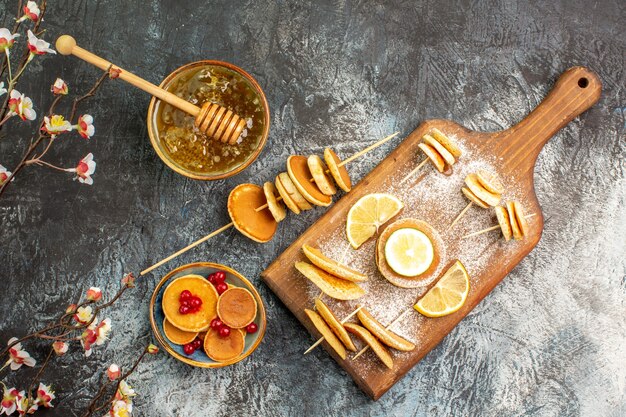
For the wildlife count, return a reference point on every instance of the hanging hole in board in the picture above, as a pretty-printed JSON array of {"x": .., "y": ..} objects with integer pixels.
[{"x": 583, "y": 82}]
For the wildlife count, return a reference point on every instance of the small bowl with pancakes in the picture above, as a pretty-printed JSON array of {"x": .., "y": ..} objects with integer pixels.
[{"x": 207, "y": 323}]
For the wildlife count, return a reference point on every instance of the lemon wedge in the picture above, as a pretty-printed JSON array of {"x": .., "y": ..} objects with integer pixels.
[
  {"x": 368, "y": 214},
  {"x": 409, "y": 252},
  {"x": 448, "y": 295}
]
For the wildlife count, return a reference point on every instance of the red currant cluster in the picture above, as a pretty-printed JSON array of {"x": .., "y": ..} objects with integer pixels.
[
  {"x": 191, "y": 347},
  {"x": 218, "y": 279},
  {"x": 189, "y": 303}
]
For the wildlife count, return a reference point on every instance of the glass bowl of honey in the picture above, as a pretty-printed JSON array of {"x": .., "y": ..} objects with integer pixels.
[{"x": 180, "y": 144}]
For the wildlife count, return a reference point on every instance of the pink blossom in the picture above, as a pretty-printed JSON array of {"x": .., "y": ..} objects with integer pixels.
[
  {"x": 56, "y": 125},
  {"x": 59, "y": 87},
  {"x": 95, "y": 334},
  {"x": 87, "y": 339},
  {"x": 60, "y": 348},
  {"x": 129, "y": 280},
  {"x": 31, "y": 11},
  {"x": 18, "y": 357},
  {"x": 94, "y": 294},
  {"x": 9, "y": 400},
  {"x": 4, "y": 175},
  {"x": 71, "y": 309},
  {"x": 38, "y": 46},
  {"x": 24, "y": 406},
  {"x": 113, "y": 372},
  {"x": 45, "y": 395},
  {"x": 83, "y": 315},
  {"x": 85, "y": 168},
  {"x": 85, "y": 126},
  {"x": 152, "y": 349},
  {"x": 7, "y": 39},
  {"x": 121, "y": 409},
  {"x": 21, "y": 105}
]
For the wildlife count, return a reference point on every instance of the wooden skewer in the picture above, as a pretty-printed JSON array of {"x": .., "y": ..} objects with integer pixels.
[
  {"x": 321, "y": 339},
  {"x": 460, "y": 215},
  {"x": 489, "y": 229},
  {"x": 362, "y": 351},
  {"x": 214, "y": 120},
  {"x": 417, "y": 168}
]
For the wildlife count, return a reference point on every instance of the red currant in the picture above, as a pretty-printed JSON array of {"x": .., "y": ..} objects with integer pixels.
[
  {"x": 220, "y": 276},
  {"x": 189, "y": 348},
  {"x": 224, "y": 331},
  {"x": 186, "y": 303},
  {"x": 211, "y": 278},
  {"x": 221, "y": 287},
  {"x": 197, "y": 344},
  {"x": 216, "y": 324},
  {"x": 185, "y": 295},
  {"x": 195, "y": 302},
  {"x": 183, "y": 309},
  {"x": 252, "y": 328}
]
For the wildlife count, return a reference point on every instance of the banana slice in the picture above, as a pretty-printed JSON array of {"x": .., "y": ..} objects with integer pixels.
[
  {"x": 340, "y": 174},
  {"x": 286, "y": 197},
  {"x": 318, "y": 171},
  {"x": 441, "y": 150},
  {"x": 481, "y": 192},
  {"x": 517, "y": 232},
  {"x": 490, "y": 182},
  {"x": 521, "y": 219},
  {"x": 503, "y": 220},
  {"x": 293, "y": 192},
  {"x": 446, "y": 142},
  {"x": 434, "y": 156},
  {"x": 472, "y": 197},
  {"x": 326, "y": 332},
  {"x": 334, "y": 324},
  {"x": 373, "y": 343},
  {"x": 389, "y": 338},
  {"x": 332, "y": 286},
  {"x": 276, "y": 207}
]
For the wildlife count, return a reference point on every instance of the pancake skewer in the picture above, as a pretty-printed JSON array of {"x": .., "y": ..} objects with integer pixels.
[
  {"x": 483, "y": 189},
  {"x": 259, "y": 208},
  {"x": 321, "y": 339},
  {"x": 439, "y": 149},
  {"x": 511, "y": 221},
  {"x": 397, "y": 319}
]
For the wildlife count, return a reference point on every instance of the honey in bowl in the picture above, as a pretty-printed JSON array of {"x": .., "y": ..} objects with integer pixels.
[{"x": 179, "y": 142}]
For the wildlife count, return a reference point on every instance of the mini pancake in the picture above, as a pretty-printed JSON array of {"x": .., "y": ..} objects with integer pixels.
[
  {"x": 446, "y": 142},
  {"x": 334, "y": 324},
  {"x": 318, "y": 171},
  {"x": 236, "y": 307},
  {"x": 177, "y": 336},
  {"x": 243, "y": 201},
  {"x": 517, "y": 232},
  {"x": 198, "y": 286},
  {"x": 441, "y": 150},
  {"x": 332, "y": 286},
  {"x": 433, "y": 155},
  {"x": 340, "y": 174},
  {"x": 326, "y": 332},
  {"x": 503, "y": 220},
  {"x": 472, "y": 197},
  {"x": 521, "y": 219},
  {"x": 276, "y": 207},
  {"x": 333, "y": 267},
  {"x": 300, "y": 174},
  {"x": 387, "y": 337},
  {"x": 224, "y": 349},
  {"x": 373, "y": 343},
  {"x": 293, "y": 192},
  {"x": 481, "y": 192},
  {"x": 286, "y": 197},
  {"x": 490, "y": 181},
  {"x": 384, "y": 268}
]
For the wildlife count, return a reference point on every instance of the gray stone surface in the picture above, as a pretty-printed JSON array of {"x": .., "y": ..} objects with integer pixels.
[{"x": 549, "y": 341}]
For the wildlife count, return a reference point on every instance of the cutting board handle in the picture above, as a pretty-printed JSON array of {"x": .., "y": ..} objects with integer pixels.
[{"x": 576, "y": 90}]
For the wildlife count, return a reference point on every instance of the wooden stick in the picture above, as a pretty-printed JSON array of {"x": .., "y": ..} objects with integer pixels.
[
  {"x": 186, "y": 248},
  {"x": 489, "y": 229},
  {"x": 460, "y": 215},
  {"x": 321, "y": 339},
  {"x": 417, "y": 168},
  {"x": 362, "y": 351}
]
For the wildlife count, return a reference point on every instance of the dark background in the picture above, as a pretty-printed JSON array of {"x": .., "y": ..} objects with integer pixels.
[{"x": 550, "y": 340}]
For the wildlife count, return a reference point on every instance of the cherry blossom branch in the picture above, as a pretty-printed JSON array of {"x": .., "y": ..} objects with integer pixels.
[
  {"x": 39, "y": 372},
  {"x": 89, "y": 93},
  {"x": 16, "y": 26}
]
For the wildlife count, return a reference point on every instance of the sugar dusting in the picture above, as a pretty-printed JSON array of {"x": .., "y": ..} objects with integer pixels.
[{"x": 436, "y": 199}]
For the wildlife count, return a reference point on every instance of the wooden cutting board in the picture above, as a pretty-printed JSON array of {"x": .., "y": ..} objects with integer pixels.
[{"x": 436, "y": 199}]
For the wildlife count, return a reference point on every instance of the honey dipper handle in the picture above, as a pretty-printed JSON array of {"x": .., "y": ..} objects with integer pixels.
[{"x": 66, "y": 45}]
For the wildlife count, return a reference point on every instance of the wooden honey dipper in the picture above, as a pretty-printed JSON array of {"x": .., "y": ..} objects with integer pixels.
[
  {"x": 213, "y": 120},
  {"x": 439, "y": 149}
]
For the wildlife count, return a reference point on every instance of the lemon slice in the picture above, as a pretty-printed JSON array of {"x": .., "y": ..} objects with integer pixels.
[
  {"x": 368, "y": 214},
  {"x": 409, "y": 252},
  {"x": 448, "y": 295}
]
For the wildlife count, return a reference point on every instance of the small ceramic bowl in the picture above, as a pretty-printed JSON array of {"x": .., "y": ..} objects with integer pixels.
[
  {"x": 153, "y": 131},
  {"x": 199, "y": 358}
]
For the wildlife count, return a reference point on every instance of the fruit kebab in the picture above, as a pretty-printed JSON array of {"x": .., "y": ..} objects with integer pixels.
[
  {"x": 439, "y": 149},
  {"x": 255, "y": 211}
]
